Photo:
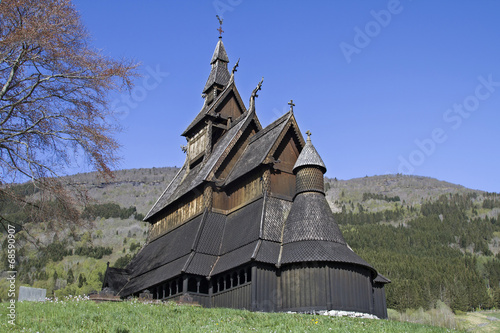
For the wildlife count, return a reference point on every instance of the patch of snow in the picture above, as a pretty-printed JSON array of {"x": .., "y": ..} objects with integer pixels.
[{"x": 338, "y": 313}]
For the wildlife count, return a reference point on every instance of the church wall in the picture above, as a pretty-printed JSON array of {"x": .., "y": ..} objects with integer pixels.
[
  {"x": 283, "y": 185},
  {"x": 203, "y": 300},
  {"x": 236, "y": 298},
  {"x": 286, "y": 153},
  {"x": 248, "y": 190},
  {"x": 233, "y": 288},
  {"x": 307, "y": 287},
  {"x": 351, "y": 288},
  {"x": 266, "y": 293},
  {"x": 197, "y": 145},
  {"x": 177, "y": 215},
  {"x": 304, "y": 287},
  {"x": 379, "y": 301},
  {"x": 242, "y": 192},
  {"x": 282, "y": 177}
]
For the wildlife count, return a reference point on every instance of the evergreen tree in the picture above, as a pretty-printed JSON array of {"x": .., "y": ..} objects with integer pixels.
[
  {"x": 81, "y": 280},
  {"x": 71, "y": 278}
]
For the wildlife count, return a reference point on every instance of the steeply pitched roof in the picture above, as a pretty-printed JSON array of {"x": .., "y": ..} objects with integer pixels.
[
  {"x": 258, "y": 148},
  {"x": 167, "y": 193},
  {"x": 166, "y": 248},
  {"x": 219, "y": 73},
  {"x": 309, "y": 157},
  {"x": 242, "y": 226},
  {"x": 208, "y": 244},
  {"x": 155, "y": 276},
  {"x": 219, "y": 53}
]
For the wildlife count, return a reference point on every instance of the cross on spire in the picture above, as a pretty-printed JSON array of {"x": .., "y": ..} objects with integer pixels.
[
  {"x": 291, "y": 105},
  {"x": 220, "y": 26},
  {"x": 308, "y": 135}
]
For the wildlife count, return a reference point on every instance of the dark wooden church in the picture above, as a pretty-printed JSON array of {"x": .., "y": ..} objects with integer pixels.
[{"x": 245, "y": 222}]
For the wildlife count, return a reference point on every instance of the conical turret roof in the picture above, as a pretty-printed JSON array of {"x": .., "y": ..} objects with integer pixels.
[{"x": 309, "y": 157}]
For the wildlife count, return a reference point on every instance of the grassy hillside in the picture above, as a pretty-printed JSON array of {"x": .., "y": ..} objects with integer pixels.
[{"x": 87, "y": 316}]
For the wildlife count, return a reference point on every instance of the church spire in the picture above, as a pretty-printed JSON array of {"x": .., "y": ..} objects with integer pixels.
[
  {"x": 219, "y": 54},
  {"x": 219, "y": 74}
]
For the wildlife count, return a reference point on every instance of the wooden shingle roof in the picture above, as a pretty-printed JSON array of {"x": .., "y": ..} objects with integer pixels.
[
  {"x": 258, "y": 148},
  {"x": 219, "y": 73},
  {"x": 309, "y": 157}
]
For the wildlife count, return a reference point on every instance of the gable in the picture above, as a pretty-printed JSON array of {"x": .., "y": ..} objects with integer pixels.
[
  {"x": 258, "y": 148},
  {"x": 230, "y": 107},
  {"x": 283, "y": 155},
  {"x": 287, "y": 146},
  {"x": 212, "y": 108},
  {"x": 287, "y": 152},
  {"x": 234, "y": 154}
]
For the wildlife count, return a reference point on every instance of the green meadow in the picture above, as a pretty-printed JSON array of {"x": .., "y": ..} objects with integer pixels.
[{"x": 79, "y": 315}]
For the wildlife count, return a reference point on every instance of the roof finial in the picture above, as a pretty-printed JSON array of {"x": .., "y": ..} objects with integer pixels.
[
  {"x": 220, "y": 26},
  {"x": 259, "y": 87},
  {"x": 308, "y": 135},
  {"x": 235, "y": 66},
  {"x": 291, "y": 105},
  {"x": 251, "y": 108}
]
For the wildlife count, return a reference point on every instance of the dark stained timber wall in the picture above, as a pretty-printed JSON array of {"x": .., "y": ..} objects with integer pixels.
[
  {"x": 238, "y": 297},
  {"x": 266, "y": 294},
  {"x": 308, "y": 287},
  {"x": 380, "y": 306}
]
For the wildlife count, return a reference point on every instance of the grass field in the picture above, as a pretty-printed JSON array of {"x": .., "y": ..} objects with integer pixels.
[
  {"x": 76, "y": 315},
  {"x": 481, "y": 321}
]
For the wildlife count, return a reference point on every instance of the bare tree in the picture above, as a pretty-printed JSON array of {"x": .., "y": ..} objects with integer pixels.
[{"x": 53, "y": 101}]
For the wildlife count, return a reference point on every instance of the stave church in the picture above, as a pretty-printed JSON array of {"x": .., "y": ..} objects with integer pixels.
[{"x": 245, "y": 223}]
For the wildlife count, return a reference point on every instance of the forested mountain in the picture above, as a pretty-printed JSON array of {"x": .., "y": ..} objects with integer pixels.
[{"x": 434, "y": 240}]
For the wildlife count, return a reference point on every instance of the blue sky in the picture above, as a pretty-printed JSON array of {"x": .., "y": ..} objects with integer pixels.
[{"x": 384, "y": 86}]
